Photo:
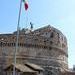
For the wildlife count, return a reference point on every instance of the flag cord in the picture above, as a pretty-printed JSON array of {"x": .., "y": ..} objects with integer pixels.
[{"x": 26, "y": 20}]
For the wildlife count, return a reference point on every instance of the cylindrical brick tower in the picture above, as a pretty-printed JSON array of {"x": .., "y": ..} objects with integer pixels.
[{"x": 45, "y": 46}]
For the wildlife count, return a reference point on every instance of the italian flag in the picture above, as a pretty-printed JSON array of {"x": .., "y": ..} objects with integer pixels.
[{"x": 25, "y": 4}]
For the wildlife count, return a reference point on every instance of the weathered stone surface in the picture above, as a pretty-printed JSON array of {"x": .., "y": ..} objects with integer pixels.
[{"x": 46, "y": 46}]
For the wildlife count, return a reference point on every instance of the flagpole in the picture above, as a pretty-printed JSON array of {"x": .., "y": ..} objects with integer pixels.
[{"x": 17, "y": 37}]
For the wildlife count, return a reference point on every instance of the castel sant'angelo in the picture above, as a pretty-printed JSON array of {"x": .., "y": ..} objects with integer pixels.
[{"x": 46, "y": 47}]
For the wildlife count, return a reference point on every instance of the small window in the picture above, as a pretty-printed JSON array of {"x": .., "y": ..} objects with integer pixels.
[
  {"x": 44, "y": 41},
  {"x": 51, "y": 68},
  {"x": 12, "y": 44},
  {"x": 45, "y": 47},
  {"x": 13, "y": 37},
  {"x": 1, "y": 44},
  {"x": 50, "y": 48},
  {"x": 8, "y": 44},
  {"x": 52, "y": 35},
  {"x": 58, "y": 35},
  {"x": 36, "y": 39},
  {"x": 63, "y": 45},
  {"x": 46, "y": 33},
  {"x": 47, "y": 39},
  {"x": 51, "y": 42},
  {"x": 5, "y": 44},
  {"x": 20, "y": 44}
]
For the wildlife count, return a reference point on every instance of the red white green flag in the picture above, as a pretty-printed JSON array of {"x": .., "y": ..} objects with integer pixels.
[{"x": 25, "y": 4}]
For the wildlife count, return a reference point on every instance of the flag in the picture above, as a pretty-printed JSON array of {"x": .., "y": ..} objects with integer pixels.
[{"x": 25, "y": 4}]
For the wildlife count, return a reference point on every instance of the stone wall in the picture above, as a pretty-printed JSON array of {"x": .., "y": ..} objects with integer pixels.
[{"x": 46, "y": 46}]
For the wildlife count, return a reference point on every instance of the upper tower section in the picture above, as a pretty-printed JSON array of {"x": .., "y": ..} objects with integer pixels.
[
  {"x": 51, "y": 36},
  {"x": 46, "y": 36}
]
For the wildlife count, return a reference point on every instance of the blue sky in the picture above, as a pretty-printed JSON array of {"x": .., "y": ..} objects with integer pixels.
[{"x": 58, "y": 13}]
